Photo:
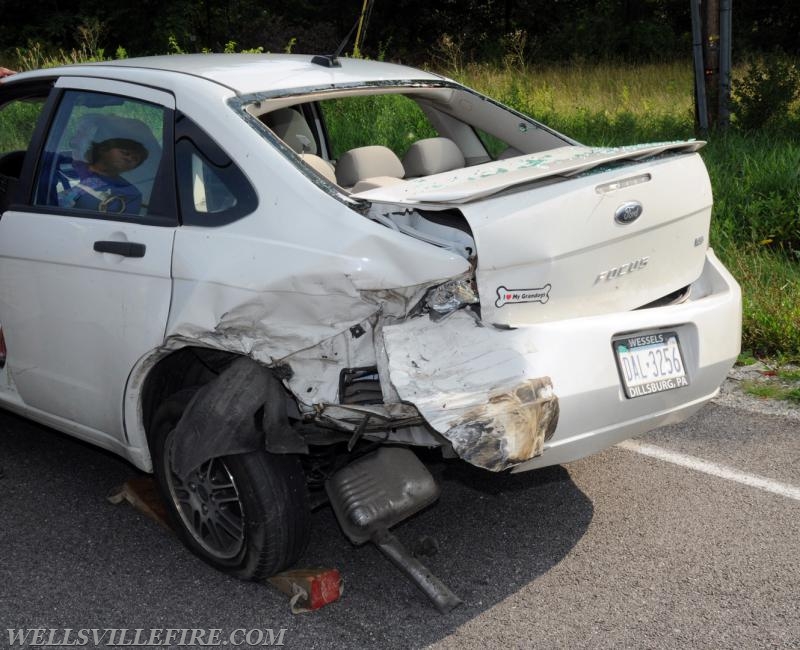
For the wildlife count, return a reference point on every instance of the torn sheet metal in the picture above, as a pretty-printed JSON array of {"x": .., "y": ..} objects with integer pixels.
[
  {"x": 316, "y": 329},
  {"x": 315, "y": 371},
  {"x": 271, "y": 324},
  {"x": 476, "y": 385}
]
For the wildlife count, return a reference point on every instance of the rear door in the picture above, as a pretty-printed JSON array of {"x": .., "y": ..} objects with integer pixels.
[{"x": 85, "y": 286}]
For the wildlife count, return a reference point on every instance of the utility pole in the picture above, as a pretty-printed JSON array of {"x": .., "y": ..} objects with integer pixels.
[
  {"x": 725, "y": 24},
  {"x": 711, "y": 55},
  {"x": 700, "y": 103},
  {"x": 711, "y": 52}
]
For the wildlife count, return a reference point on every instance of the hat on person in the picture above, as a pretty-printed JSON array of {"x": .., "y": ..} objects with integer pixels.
[{"x": 96, "y": 128}]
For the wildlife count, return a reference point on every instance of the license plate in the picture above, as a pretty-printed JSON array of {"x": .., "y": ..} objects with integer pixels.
[{"x": 650, "y": 363}]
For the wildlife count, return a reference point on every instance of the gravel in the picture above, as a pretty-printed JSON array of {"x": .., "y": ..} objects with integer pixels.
[{"x": 733, "y": 395}]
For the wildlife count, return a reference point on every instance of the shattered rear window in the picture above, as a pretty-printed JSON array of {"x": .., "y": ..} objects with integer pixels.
[{"x": 394, "y": 121}]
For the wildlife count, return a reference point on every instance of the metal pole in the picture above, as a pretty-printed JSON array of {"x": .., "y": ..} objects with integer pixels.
[
  {"x": 711, "y": 55},
  {"x": 357, "y": 46},
  {"x": 701, "y": 107},
  {"x": 725, "y": 24}
]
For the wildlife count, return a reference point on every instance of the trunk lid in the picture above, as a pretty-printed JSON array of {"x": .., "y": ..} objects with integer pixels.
[{"x": 588, "y": 232}]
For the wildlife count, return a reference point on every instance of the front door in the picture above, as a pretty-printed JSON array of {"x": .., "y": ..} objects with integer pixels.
[{"x": 85, "y": 282}]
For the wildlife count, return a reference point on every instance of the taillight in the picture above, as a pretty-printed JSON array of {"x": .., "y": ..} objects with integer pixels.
[{"x": 2, "y": 349}]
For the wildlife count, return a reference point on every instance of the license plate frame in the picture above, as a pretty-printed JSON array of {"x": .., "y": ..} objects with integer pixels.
[{"x": 650, "y": 362}]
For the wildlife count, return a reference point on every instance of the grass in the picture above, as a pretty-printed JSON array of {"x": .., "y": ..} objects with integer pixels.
[
  {"x": 601, "y": 104},
  {"x": 770, "y": 283},
  {"x": 755, "y": 176},
  {"x": 772, "y": 390},
  {"x": 789, "y": 375}
]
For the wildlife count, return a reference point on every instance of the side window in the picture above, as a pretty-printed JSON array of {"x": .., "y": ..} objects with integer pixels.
[
  {"x": 212, "y": 190},
  {"x": 102, "y": 155},
  {"x": 494, "y": 146},
  {"x": 18, "y": 119}
]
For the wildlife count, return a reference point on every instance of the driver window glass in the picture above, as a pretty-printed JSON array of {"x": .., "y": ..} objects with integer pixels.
[{"x": 102, "y": 155}]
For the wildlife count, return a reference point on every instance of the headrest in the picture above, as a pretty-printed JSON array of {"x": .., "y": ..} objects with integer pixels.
[
  {"x": 319, "y": 165},
  {"x": 367, "y": 162},
  {"x": 432, "y": 156}
]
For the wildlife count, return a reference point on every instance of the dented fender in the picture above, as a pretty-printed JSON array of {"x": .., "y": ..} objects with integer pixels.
[{"x": 477, "y": 386}]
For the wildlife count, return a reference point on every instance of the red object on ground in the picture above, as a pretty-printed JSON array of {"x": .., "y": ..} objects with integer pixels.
[
  {"x": 325, "y": 588},
  {"x": 310, "y": 588}
]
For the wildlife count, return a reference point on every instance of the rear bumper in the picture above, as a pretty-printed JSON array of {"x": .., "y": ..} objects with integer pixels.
[{"x": 453, "y": 370}]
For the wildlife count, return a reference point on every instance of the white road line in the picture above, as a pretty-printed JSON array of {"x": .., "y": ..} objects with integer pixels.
[{"x": 714, "y": 469}]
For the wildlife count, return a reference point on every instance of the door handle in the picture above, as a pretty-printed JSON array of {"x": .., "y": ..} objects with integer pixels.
[{"x": 124, "y": 248}]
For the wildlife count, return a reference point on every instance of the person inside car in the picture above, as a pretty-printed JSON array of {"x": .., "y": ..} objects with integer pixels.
[{"x": 101, "y": 186}]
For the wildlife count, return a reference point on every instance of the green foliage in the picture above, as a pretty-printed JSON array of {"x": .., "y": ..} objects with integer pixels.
[
  {"x": 577, "y": 30},
  {"x": 448, "y": 55},
  {"x": 35, "y": 55},
  {"x": 383, "y": 48},
  {"x": 770, "y": 284},
  {"x": 17, "y": 122},
  {"x": 174, "y": 46},
  {"x": 600, "y": 104},
  {"x": 756, "y": 179},
  {"x": 746, "y": 358},
  {"x": 771, "y": 390},
  {"x": 755, "y": 176},
  {"x": 788, "y": 374},
  {"x": 764, "y": 94},
  {"x": 229, "y": 48},
  {"x": 391, "y": 120}
]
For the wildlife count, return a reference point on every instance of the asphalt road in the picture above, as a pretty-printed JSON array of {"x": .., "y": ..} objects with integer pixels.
[{"x": 619, "y": 550}]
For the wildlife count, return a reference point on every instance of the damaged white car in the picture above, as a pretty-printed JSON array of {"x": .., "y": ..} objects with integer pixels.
[{"x": 209, "y": 267}]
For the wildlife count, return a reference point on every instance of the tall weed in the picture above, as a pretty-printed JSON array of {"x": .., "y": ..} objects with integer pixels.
[
  {"x": 755, "y": 175},
  {"x": 770, "y": 284}
]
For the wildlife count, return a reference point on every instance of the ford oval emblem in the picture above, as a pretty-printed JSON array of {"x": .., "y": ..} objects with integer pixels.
[{"x": 628, "y": 212}]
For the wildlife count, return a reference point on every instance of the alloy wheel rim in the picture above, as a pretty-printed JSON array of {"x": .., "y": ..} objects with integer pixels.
[{"x": 209, "y": 506}]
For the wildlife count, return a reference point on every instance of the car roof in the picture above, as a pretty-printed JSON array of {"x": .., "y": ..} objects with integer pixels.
[{"x": 250, "y": 73}]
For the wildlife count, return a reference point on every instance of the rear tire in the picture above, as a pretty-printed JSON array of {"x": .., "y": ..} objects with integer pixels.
[{"x": 245, "y": 514}]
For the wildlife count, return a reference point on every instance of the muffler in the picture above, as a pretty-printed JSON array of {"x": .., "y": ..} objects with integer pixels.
[{"x": 378, "y": 491}]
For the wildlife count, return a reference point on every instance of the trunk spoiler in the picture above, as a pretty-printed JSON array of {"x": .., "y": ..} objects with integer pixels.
[{"x": 472, "y": 183}]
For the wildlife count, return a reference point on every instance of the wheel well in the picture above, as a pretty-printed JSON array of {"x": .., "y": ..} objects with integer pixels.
[{"x": 187, "y": 367}]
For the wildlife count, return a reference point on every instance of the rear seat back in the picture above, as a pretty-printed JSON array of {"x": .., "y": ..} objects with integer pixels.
[
  {"x": 368, "y": 162},
  {"x": 319, "y": 165},
  {"x": 291, "y": 127},
  {"x": 432, "y": 156}
]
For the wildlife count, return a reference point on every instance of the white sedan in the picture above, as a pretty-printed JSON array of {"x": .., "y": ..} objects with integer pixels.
[{"x": 225, "y": 269}]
